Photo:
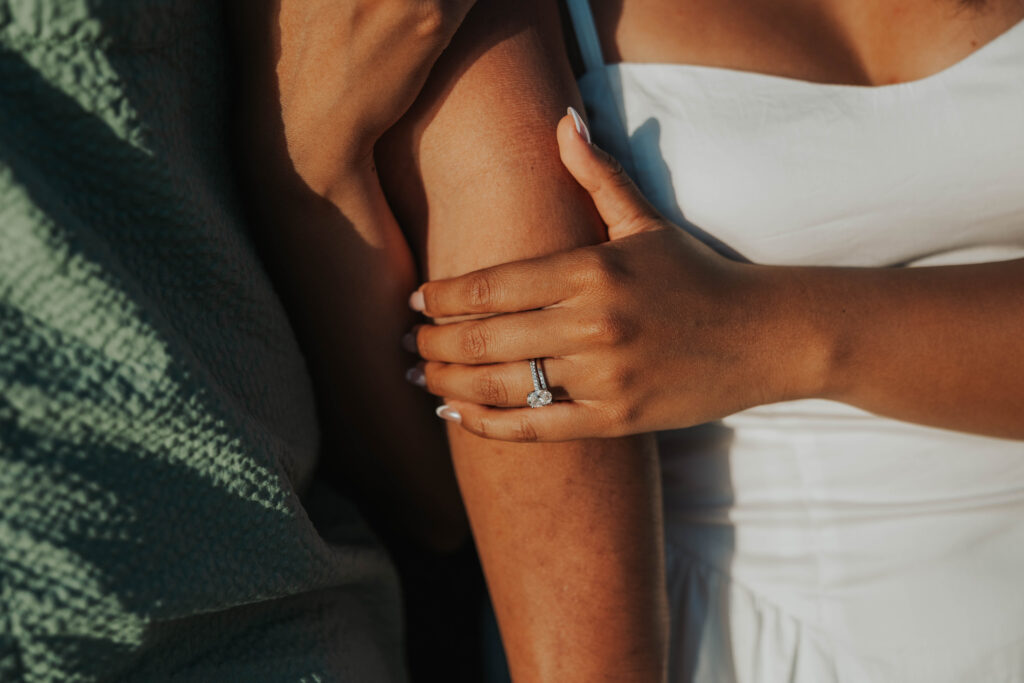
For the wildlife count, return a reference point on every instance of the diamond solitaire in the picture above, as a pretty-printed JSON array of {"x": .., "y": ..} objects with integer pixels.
[
  {"x": 540, "y": 396},
  {"x": 539, "y": 399}
]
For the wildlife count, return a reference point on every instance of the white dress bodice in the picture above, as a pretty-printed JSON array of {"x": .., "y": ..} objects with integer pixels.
[{"x": 810, "y": 541}]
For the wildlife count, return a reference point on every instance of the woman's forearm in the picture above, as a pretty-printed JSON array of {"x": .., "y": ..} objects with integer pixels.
[{"x": 940, "y": 346}]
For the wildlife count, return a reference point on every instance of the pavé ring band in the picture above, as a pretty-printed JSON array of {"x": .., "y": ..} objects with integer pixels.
[{"x": 540, "y": 396}]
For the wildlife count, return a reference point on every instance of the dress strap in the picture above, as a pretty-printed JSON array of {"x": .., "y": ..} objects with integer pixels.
[{"x": 586, "y": 34}]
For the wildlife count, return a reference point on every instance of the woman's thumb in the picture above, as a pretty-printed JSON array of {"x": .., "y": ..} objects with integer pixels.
[{"x": 622, "y": 207}]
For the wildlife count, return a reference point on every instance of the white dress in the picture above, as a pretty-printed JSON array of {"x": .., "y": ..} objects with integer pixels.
[{"x": 809, "y": 541}]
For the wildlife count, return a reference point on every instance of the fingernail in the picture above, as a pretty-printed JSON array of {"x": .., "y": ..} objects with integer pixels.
[
  {"x": 416, "y": 376},
  {"x": 581, "y": 127},
  {"x": 409, "y": 342},
  {"x": 450, "y": 414},
  {"x": 416, "y": 301}
]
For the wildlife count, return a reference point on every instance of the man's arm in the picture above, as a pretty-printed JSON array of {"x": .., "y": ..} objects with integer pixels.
[
  {"x": 569, "y": 534},
  {"x": 329, "y": 239}
]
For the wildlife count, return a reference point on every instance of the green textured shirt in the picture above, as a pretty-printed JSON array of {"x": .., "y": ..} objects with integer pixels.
[{"x": 157, "y": 428}]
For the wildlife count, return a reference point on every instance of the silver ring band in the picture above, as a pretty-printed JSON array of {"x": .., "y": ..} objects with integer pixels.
[{"x": 541, "y": 395}]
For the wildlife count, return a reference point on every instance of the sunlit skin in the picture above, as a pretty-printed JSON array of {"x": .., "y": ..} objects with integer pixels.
[
  {"x": 569, "y": 534},
  {"x": 653, "y": 331}
]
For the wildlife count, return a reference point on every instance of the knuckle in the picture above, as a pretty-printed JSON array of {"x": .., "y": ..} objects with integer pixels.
[
  {"x": 615, "y": 328},
  {"x": 617, "y": 176},
  {"x": 524, "y": 430},
  {"x": 618, "y": 378},
  {"x": 481, "y": 426},
  {"x": 432, "y": 20},
  {"x": 431, "y": 298},
  {"x": 473, "y": 342},
  {"x": 490, "y": 390},
  {"x": 603, "y": 273},
  {"x": 601, "y": 269},
  {"x": 589, "y": 261},
  {"x": 480, "y": 291},
  {"x": 624, "y": 416},
  {"x": 607, "y": 329}
]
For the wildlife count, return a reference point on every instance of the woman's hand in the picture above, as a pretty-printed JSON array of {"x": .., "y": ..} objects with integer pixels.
[
  {"x": 651, "y": 330},
  {"x": 365, "y": 61}
]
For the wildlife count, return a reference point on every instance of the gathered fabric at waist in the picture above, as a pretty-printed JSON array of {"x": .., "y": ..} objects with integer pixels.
[
  {"x": 825, "y": 461},
  {"x": 889, "y": 540}
]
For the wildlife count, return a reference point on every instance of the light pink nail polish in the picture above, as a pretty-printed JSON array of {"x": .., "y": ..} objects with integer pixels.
[
  {"x": 409, "y": 342},
  {"x": 581, "y": 128},
  {"x": 450, "y": 414},
  {"x": 416, "y": 301}
]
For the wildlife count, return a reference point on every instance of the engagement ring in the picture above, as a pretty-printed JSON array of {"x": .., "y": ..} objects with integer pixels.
[{"x": 540, "y": 396}]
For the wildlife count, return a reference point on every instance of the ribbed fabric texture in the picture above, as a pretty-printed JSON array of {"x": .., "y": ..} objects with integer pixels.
[{"x": 156, "y": 420}]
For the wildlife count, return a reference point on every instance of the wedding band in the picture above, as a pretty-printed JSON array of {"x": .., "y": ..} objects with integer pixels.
[{"x": 540, "y": 396}]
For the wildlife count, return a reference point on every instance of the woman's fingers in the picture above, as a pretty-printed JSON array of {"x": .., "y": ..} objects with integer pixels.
[
  {"x": 560, "y": 421},
  {"x": 622, "y": 207},
  {"x": 508, "y": 288},
  {"x": 544, "y": 281},
  {"x": 505, "y": 385},
  {"x": 517, "y": 336}
]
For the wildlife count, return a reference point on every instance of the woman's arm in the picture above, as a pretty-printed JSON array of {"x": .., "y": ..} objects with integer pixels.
[
  {"x": 569, "y": 534},
  {"x": 939, "y": 346}
]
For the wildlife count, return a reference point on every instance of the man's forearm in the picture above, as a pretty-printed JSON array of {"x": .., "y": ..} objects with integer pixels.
[
  {"x": 349, "y": 270},
  {"x": 343, "y": 270}
]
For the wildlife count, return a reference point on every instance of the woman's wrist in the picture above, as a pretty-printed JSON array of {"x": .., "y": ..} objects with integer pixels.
[{"x": 800, "y": 336}]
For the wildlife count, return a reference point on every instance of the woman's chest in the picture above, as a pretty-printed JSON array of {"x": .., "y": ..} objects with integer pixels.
[
  {"x": 870, "y": 42},
  {"x": 786, "y": 172}
]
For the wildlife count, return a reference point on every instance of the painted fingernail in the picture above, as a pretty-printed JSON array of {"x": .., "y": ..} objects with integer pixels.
[
  {"x": 416, "y": 301},
  {"x": 416, "y": 376},
  {"x": 581, "y": 127},
  {"x": 450, "y": 414},
  {"x": 409, "y": 342}
]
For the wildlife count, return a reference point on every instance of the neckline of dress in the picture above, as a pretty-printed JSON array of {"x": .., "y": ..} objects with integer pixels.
[{"x": 985, "y": 49}]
